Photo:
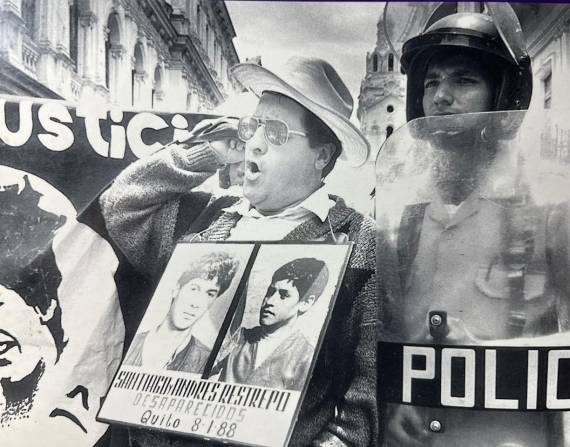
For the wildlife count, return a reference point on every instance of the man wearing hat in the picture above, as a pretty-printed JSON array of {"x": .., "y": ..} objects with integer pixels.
[{"x": 299, "y": 129}]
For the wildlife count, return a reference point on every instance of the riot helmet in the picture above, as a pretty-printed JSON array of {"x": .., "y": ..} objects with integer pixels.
[{"x": 494, "y": 39}]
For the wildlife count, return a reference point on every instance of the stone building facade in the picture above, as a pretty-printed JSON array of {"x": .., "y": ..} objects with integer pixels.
[
  {"x": 134, "y": 54},
  {"x": 547, "y": 32}
]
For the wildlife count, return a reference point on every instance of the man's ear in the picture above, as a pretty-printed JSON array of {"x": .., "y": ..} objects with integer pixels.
[
  {"x": 175, "y": 291},
  {"x": 48, "y": 314},
  {"x": 306, "y": 303},
  {"x": 324, "y": 155}
]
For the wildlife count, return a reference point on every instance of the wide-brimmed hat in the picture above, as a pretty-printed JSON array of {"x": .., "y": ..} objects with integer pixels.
[{"x": 316, "y": 85}]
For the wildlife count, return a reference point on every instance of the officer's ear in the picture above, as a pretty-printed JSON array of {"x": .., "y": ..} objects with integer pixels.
[{"x": 324, "y": 155}]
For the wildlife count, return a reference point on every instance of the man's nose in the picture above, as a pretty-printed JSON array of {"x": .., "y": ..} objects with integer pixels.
[
  {"x": 443, "y": 95},
  {"x": 257, "y": 145},
  {"x": 198, "y": 301},
  {"x": 270, "y": 298}
]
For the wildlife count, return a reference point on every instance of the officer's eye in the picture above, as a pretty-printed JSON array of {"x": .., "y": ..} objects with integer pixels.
[
  {"x": 467, "y": 80},
  {"x": 284, "y": 294},
  {"x": 270, "y": 291},
  {"x": 432, "y": 83}
]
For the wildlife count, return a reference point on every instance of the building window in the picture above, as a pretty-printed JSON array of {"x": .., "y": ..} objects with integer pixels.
[
  {"x": 73, "y": 24},
  {"x": 29, "y": 16},
  {"x": 390, "y": 108},
  {"x": 547, "y": 84},
  {"x": 198, "y": 22},
  {"x": 390, "y": 62},
  {"x": 112, "y": 43},
  {"x": 107, "y": 62},
  {"x": 137, "y": 70},
  {"x": 375, "y": 63},
  {"x": 207, "y": 44},
  {"x": 157, "y": 87},
  {"x": 133, "y": 83}
]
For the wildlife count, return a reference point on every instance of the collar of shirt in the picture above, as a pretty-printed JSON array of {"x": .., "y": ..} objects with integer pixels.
[
  {"x": 439, "y": 211},
  {"x": 317, "y": 203}
]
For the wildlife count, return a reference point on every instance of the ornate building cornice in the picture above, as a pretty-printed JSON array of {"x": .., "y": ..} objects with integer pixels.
[{"x": 559, "y": 22}]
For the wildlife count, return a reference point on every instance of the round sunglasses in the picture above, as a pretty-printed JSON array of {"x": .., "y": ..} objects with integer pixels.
[{"x": 276, "y": 131}]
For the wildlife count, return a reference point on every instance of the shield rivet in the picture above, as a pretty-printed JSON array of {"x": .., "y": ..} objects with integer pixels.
[{"x": 435, "y": 426}]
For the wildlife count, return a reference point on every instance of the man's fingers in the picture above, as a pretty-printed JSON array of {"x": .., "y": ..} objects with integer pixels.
[
  {"x": 229, "y": 150},
  {"x": 407, "y": 428},
  {"x": 236, "y": 153},
  {"x": 397, "y": 436},
  {"x": 413, "y": 418}
]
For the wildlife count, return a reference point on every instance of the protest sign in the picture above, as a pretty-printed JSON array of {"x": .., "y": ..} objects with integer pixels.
[{"x": 226, "y": 348}]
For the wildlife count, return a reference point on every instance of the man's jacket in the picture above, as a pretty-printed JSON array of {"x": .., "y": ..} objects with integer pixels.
[{"x": 151, "y": 206}]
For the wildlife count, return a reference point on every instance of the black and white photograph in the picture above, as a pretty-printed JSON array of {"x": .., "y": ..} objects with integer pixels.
[
  {"x": 242, "y": 348},
  {"x": 286, "y": 305},
  {"x": 188, "y": 308},
  {"x": 177, "y": 175}
]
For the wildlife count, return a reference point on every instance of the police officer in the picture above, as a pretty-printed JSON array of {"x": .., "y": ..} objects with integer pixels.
[{"x": 464, "y": 254}]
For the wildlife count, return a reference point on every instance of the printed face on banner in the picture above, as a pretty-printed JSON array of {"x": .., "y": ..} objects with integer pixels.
[
  {"x": 47, "y": 260},
  {"x": 31, "y": 332},
  {"x": 26, "y": 344}
]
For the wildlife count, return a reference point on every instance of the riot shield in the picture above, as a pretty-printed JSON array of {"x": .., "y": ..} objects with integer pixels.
[{"x": 473, "y": 223}]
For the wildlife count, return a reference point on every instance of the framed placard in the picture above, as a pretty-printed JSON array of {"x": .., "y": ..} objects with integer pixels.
[{"x": 229, "y": 341}]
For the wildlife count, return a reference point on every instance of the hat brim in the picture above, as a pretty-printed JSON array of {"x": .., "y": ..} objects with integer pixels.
[{"x": 355, "y": 148}]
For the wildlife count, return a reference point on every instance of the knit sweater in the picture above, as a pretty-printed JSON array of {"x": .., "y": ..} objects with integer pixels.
[{"x": 151, "y": 206}]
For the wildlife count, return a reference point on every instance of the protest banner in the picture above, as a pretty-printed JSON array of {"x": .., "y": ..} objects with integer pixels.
[{"x": 61, "y": 322}]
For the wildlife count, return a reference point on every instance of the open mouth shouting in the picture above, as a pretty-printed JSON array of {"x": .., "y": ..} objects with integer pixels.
[{"x": 252, "y": 171}]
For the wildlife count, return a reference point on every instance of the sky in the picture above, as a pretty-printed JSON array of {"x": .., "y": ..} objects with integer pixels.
[{"x": 340, "y": 32}]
